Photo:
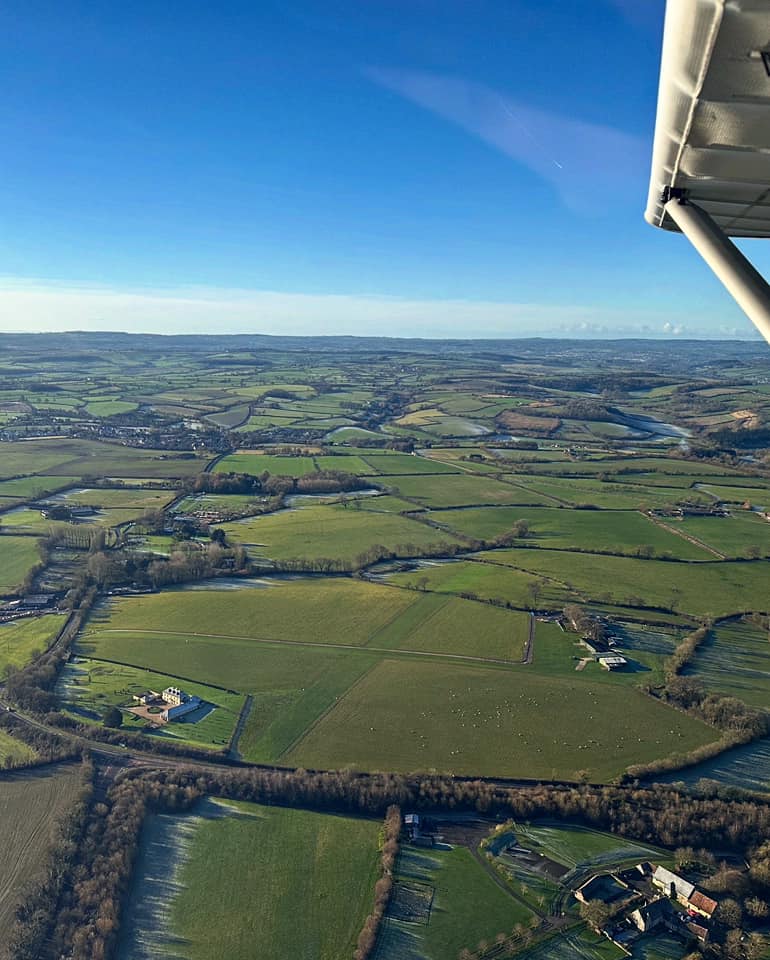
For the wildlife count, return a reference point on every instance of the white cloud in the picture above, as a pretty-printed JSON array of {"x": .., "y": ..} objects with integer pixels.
[
  {"x": 590, "y": 165},
  {"x": 28, "y": 305}
]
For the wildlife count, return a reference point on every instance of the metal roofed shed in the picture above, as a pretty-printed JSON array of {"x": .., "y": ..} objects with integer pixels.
[
  {"x": 673, "y": 885},
  {"x": 613, "y": 662},
  {"x": 710, "y": 174}
]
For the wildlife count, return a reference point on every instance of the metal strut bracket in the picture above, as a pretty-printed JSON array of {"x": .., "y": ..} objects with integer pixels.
[{"x": 747, "y": 286}]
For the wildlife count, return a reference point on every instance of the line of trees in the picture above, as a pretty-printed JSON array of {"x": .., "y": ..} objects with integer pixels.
[
  {"x": 383, "y": 889},
  {"x": 738, "y": 723},
  {"x": 48, "y": 746}
]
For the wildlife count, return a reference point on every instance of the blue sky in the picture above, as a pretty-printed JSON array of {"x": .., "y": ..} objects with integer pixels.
[{"x": 415, "y": 167}]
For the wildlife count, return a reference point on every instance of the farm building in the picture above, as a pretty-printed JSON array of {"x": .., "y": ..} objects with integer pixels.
[
  {"x": 672, "y": 885},
  {"x": 180, "y": 709},
  {"x": 613, "y": 662},
  {"x": 684, "y": 892},
  {"x": 602, "y": 886},
  {"x": 700, "y": 903},
  {"x": 700, "y": 933},
  {"x": 654, "y": 915},
  {"x": 147, "y": 697}
]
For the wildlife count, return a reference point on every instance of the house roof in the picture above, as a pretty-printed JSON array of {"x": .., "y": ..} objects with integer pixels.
[
  {"x": 667, "y": 879},
  {"x": 701, "y": 902}
]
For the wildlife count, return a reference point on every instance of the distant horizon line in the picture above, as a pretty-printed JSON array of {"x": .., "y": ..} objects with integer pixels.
[{"x": 369, "y": 336}]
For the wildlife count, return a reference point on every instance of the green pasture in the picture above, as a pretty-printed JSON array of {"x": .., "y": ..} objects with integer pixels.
[
  {"x": 31, "y": 520},
  {"x": 123, "y": 498},
  {"x": 297, "y": 882},
  {"x": 632, "y": 465},
  {"x": 17, "y": 556},
  {"x": 346, "y": 434},
  {"x": 338, "y": 611},
  {"x": 735, "y": 660},
  {"x": 259, "y": 463},
  {"x": 486, "y": 580},
  {"x": 462, "y": 490},
  {"x": 333, "y": 612},
  {"x": 733, "y": 536},
  {"x": 403, "y": 464},
  {"x": 349, "y": 464},
  {"x": 21, "y": 639},
  {"x": 700, "y": 589},
  {"x": 436, "y": 623},
  {"x": 223, "y": 502},
  {"x": 230, "y": 418},
  {"x": 615, "y": 531},
  {"x": 606, "y": 496},
  {"x": 755, "y": 495},
  {"x": 578, "y": 846},
  {"x": 406, "y": 716},
  {"x": 23, "y": 457},
  {"x": 467, "y": 905},
  {"x": 29, "y": 487},
  {"x": 385, "y": 504},
  {"x": 87, "y": 687},
  {"x": 334, "y": 532},
  {"x": 110, "y": 408},
  {"x": 263, "y": 421}
]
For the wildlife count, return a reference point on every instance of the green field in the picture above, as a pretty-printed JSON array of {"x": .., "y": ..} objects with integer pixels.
[
  {"x": 615, "y": 531},
  {"x": 467, "y": 906},
  {"x": 490, "y": 581},
  {"x": 330, "y": 612},
  {"x": 462, "y": 490},
  {"x": 20, "y": 639},
  {"x": 579, "y": 846},
  {"x": 129, "y": 498},
  {"x": 456, "y": 716},
  {"x": 441, "y": 624},
  {"x": 297, "y": 883},
  {"x": 755, "y": 495},
  {"x": 90, "y": 458},
  {"x": 702, "y": 589},
  {"x": 732, "y": 536},
  {"x": 258, "y": 463},
  {"x": 735, "y": 660},
  {"x": 337, "y": 611},
  {"x": 403, "y": 464},
  {"x": 31, "y": 520},
  {"x": 416, "y": 716},
  {"x": 346, "y": 464},
  {"x": 334, "y": 532},
  {"x": 27, "y": 487},
  {"x": 17, "y": 556},
  {"x": 606, "y": 496},
  {"x": 32, "y": 807},
  {"x": 109, "y": 408}
]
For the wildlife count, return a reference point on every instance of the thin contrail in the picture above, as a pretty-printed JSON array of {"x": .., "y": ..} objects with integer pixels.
[{"x": 528, "y": 132}]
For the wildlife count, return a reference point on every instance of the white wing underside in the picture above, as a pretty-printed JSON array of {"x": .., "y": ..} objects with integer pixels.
[{"x": 712, "y": 132}]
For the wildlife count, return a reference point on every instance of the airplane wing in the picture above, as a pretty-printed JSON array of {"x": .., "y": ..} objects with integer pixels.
[{"x": 711, "y": 150}]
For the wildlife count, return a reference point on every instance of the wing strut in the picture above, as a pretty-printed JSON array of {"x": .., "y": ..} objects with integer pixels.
[{"x": 746, "y": 285}]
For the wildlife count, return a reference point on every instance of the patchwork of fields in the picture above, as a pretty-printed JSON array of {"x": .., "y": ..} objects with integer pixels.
[{"x": 360, "y": 561}]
